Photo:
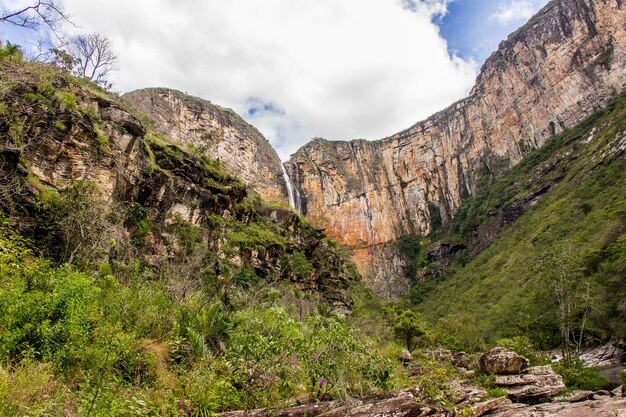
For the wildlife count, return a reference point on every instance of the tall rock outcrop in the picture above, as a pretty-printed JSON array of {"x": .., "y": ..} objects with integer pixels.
[
  {"x": 219, "y": 133},
  {"x": 566, "y": 62}
]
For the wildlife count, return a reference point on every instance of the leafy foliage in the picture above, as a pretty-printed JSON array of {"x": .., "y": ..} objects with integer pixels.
[
  {"x": 407, "y": 327},
  {"x": 410, "y": 247},
  {"x": 132, "y": 347},
  {"x": 577, "y": 376}
]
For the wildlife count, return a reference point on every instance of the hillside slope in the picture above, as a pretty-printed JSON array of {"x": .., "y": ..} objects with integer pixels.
[
  {"x": 551, "y": 242},
  {"x": 566, "y": 62}
]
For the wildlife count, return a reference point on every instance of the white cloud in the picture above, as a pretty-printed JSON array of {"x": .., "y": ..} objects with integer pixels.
[
  {"x": 516, "y": 10},
  {"x": 337, "y": 69}
]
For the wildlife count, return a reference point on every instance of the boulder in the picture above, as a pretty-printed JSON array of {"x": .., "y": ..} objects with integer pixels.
[
  {"x": 464, "y": 393},
  {"x": 604, "y": 356},
  {"x": 461, "y": 360},
  {"x": 533, "y": 385},
  {"x": 501, "y": 361},
  {"x": 604, "y": 408},
  {"x": 440, "y": 355},
  {"x": 404, "y": 403},
  {"x": 405, "y": 356},
  {"x": 466, "y": 373},
  {"x": 414, "y": 370}
]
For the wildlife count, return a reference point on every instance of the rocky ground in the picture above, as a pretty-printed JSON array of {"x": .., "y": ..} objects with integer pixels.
[{"x": 531, "y": 392}]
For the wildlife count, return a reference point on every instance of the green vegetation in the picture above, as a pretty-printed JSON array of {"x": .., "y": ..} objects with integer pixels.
[
  {"x": 408, "y": 328},
  {"x": 94, "y": 344},
  {"x": 577, "y": 376},
  {"x": 555, "y": 276},
  {"x": 10, "y": 51},
  {"x": 411, "y": 249}
]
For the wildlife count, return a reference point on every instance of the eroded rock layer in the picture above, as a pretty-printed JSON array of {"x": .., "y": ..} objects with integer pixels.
[
  {"x": 566, "y": 62},
  {"x": 219, "y": 133}
]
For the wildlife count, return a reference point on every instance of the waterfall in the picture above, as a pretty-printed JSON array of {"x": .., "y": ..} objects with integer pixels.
[{"x": 290, "y": 193}]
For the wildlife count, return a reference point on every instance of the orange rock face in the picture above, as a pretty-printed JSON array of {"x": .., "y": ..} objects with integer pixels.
[{"x": 566, "y": 62}]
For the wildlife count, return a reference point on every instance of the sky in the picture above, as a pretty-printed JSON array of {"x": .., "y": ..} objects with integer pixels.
[{"x": 298, "y": 69}]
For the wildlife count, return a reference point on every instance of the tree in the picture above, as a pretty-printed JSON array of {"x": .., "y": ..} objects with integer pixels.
[
  {"x": 572, "y": 294},
  {"x": 32, "y": 16},
  {"x": 93, "y": 57},
  {"x": 408, "y": 327}
]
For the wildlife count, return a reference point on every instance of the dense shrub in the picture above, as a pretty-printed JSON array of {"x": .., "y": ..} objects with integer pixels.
[{"x": 577, "y": 376}]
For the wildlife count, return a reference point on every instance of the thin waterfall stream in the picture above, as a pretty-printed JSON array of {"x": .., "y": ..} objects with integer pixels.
[{"x": 290, "y": 190}]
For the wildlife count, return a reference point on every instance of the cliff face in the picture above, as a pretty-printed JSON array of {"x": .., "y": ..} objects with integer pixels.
[
  {"x": 567, "y": 61},
  {"x": 89, "y": 178},
  {"x": 217, "y": 132}
]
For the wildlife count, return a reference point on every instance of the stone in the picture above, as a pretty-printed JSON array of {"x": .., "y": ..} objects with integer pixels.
[
  {"x": 405, "y": 356},
  {"x": 461, "y": 360},
  {"x": 534, "y": 384},
  {"x": 609, "y": 407},
  {"x": 464, "y": 393},
  {"x": 466, "y": 373},
  {"x": 440, "y": 355},
  {"x": 488, "y": 405},
  {"x": 575, "y": 396},
  {"x": 304, "y": 399},
  {"x": 618, "y": 392},
  {"x": 542, "y": 79},
  {"x": 603, "y": 356},
  {"x": 414, "y": 370},
  {"x": 404, "y": 403},
  {"x": 502, "y": 361}
]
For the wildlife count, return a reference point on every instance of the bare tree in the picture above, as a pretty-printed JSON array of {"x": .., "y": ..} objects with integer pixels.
[
  {"x": 34, "y": 15},
  {"x": 93, "y": 57}
]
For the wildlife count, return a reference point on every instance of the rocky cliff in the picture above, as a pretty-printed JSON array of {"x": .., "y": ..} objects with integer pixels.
[
  {"x": 563, "y": 64},
  {"x": 217, "y": 132},
  {"x": 90, "y": 180}
]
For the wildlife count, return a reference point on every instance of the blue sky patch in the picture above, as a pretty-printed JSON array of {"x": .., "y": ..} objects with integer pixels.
[{"x": 473, "y": 29}]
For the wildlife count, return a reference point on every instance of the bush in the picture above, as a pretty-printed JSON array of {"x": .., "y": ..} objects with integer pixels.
[
  {"x": 31, "y": 389},
  {"x": 407, "y": 328},
  {"x": 577, "y": 376},
  {"x": 496, "y": 392}
]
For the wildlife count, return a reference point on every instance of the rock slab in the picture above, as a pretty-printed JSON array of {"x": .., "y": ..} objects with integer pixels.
[{"x": 534, "y": 384}]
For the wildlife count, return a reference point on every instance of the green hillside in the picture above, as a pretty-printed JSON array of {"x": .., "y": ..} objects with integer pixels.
[{"x": 559, "y": 270}]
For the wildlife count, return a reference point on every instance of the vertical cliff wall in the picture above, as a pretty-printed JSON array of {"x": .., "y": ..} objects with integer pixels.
[
  {"x": 219, "y": 133},
  {"x": 567, "y": 61}
]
